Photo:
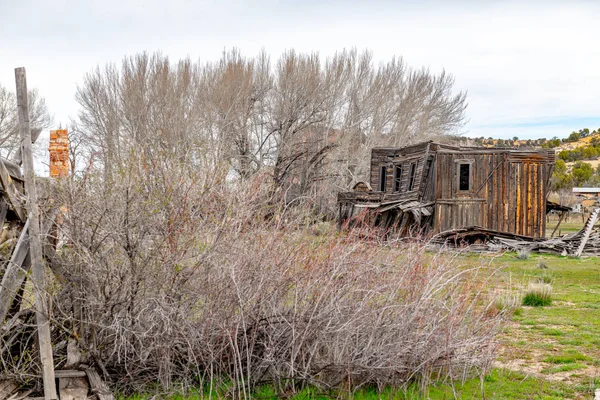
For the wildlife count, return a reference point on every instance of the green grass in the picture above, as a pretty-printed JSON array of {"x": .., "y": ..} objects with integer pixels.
[
  {"x": 536, "y": 300},
  {"x": 566, "y": 358},
  {"x": 564, "y": 368},
  {"x": 499, "y": 384},
  {"x": 562, "y": 338}
]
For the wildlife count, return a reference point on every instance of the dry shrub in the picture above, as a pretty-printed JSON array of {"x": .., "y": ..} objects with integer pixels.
[{"x": 164, "y": 279}]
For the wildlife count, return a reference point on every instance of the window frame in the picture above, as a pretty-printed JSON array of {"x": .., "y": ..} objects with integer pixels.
[
  {"x": 382, "y": 178},
  {"x": 412, "y": 174},
  {"x": 398, "y": 171},
  {"x": 459, "y": 164}
]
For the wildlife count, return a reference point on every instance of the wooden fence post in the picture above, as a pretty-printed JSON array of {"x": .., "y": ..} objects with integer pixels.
[{"x": 35, "y": 245}]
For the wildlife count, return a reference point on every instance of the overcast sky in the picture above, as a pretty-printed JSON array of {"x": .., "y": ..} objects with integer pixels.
[{"x": 531, "y": 69}]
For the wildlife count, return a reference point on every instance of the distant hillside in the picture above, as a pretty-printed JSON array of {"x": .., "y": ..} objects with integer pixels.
[
  {"x": 576, "y": 140},
  {"x": 592, "y": 139}
]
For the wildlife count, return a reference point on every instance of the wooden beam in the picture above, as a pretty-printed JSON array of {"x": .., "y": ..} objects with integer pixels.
[
  {"x": 562, "y": 215},
  {"x": 17, "y": 300},
  {"x": 35, "y": 245}
]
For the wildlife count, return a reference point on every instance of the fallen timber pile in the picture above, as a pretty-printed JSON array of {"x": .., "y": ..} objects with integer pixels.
[{"x": 584, "y": 242}]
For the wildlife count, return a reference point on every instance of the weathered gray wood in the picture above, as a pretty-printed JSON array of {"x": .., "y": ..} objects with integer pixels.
[
  {"x": 20, "y": 396},
  {"x": 73, "y": 388},
  {"x": 16, "y": 303},
  {"x": 35, "y": 133},
  {"x": 74, "y": 355},
  {"x": 15, "y": 273},
  {"x": 7, "y": 388},
  {"x": 14, "y": 170},
  {"x": 35, "y": 245},
  {"x": 69, "y": 373},
  {"x": 98, "y": 387},
  {"x": 11, "y": 190}
]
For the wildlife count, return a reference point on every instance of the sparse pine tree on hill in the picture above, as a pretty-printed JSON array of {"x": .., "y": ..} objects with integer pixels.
[{"x": 581, "y": 172}]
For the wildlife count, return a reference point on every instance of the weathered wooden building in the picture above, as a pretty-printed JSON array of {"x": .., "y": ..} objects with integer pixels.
[{"x": 432, "y": 187}]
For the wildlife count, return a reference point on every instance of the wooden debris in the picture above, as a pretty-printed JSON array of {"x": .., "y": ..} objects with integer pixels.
[
  {"x": 587, "y": 230},
  {"x": 7, "y": 388},
  {"x": 97, "y": 386},
  {"x": 72, "y": 388},
  {"x": 20, "y": 396},
  {"x": 69, "y": 373},
  {"x": 584, "y": 242},
  {"x": 12, "y": 193},
  {"x": 15, "y": 273},
  {"x": 74, "y": 355}
]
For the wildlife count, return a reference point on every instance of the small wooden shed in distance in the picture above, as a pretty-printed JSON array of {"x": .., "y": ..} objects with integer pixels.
[{"x": 432, "y": 187}]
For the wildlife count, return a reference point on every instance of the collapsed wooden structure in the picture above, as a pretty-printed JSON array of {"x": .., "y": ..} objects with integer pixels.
[
  {"x": 486, "y": 199},
  {"x": 28, "y": 236},
  {"x": 586, "y": 241},
  {"x": 431, "y": 187}
]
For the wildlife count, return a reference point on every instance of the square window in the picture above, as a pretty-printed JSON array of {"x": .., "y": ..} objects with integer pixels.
[{"x": 464, "y": 177}]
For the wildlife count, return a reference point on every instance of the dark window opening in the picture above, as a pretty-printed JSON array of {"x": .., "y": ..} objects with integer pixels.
[
  {"x": 382, "y": 173},
  {"x": 411, "y": 177},
  {"x": 464, "y": 177},
  {"x": 397, "y": 178}
]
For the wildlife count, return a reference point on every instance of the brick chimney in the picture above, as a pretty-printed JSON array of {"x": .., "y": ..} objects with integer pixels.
[{"x": 59, "y": 153}]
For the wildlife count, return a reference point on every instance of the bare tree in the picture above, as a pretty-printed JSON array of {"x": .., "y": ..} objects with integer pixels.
[
  {"x": 308, "y": 122},
  {"x": 39, "y": 116}
]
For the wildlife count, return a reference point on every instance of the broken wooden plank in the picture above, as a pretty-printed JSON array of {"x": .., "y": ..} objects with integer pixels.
[
  {"x": 562, "y": 215},
  {"x": 20, "y": 396},
  {"x": 14, "y": 197},
  {"x": 589, "y": 226},
  {"x": 69, "y": 373}
]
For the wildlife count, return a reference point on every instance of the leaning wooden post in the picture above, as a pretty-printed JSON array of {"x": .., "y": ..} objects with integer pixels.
[{"x": 35, "y": 245}]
